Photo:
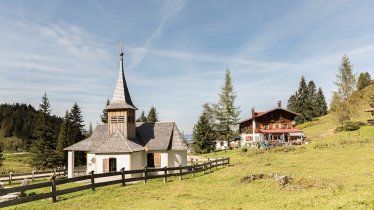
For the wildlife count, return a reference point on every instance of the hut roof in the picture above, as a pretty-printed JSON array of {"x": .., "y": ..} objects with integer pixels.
[{"x": 149, "y": 136}]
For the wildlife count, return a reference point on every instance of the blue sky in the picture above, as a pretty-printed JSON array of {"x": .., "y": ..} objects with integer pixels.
[{"x": 177, "y": 52}]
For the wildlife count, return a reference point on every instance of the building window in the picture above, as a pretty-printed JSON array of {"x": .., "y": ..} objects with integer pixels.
[
  {"x": 112, "y": 164},
  {"x": 276, "y": 126},
  {"x": 117, "y": 119}
]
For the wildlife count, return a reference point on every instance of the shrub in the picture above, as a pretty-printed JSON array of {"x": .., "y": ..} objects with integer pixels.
[{"x": 352, "y": 126}]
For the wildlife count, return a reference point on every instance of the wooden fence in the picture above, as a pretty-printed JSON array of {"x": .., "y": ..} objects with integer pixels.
[
  {"x": 145, "y": 174},
  {"x": 33, "y": 175}
]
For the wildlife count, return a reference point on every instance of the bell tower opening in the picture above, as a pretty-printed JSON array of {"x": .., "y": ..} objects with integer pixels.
[{"x": 121, "y": 111}]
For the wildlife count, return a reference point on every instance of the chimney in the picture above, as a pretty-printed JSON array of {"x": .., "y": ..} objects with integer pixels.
[
  {"x": 279, "y": 104},
  {"x": 253, "y": 113}
]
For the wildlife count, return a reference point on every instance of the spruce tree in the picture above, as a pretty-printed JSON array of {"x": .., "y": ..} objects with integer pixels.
[
  {"x": 142, "y": 117},
  {"x": 77, "y": 131},
  {"x": 292, "y": 103},
  {"x": 346, "y": 83},
  {"x": 152, "y": 115},
  {"x": 104, "y": 115},
  {"x": 90, "y": 130},
  {"x": 320, "y": 103},
  {"x": 311, "y": 111},
  {"x": 302, "y": 106},
  {"x": 43, "y": 155},
  {"x": 64, "y": 139},
  {"x": 203, "y": 135},
  {"x": 227, "y": 112},
  {"x": 364, "y": 80}
]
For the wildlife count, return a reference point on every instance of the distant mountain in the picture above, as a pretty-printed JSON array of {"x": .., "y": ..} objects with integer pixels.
[{"x": 188, "y": 137}]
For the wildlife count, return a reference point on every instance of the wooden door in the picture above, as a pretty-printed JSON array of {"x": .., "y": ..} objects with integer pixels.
[
  {"x": 157, "y": 159},
  {"x": 106, "y": 165}
]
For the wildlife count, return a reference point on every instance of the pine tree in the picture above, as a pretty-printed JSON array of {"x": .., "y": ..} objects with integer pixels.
[
  {"x": 64, "y": 139},
  {"x": 292, "y": 103},
  {"x": 90, "y": 130},
  {"x": 320, "y": 103},
  {"x": 142, "y": 117},
  {"x": 302, "y": 106},
  {"x": 364, "y": 80},
  {"x": 311, "y": 111},
  {"x": 227, "y": 113},
  {"x": 77, "y": 131},
  {"x": 203, "y": 135},
  {"x": 43, "y": 155},
  {"x": 152, "y": 115},
  {"x": 346, "y": 83},
  {"x": 104, "y": 115}
]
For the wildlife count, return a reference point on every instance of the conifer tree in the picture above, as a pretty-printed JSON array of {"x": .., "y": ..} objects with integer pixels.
[
  {"x": 43, "y": 155},
  {"x": 142, "y": 117},
  {"x": 90, "y": 130},
  {"x": 203, "y": 135},
  {"x": 346, "y": 83},
  {"x": 320, "y": 103},
  {"x": 64, "y": 139},
  {"x": 104, "y": 115},
  {"x": 311, "y": 111},
  {"x": 227, "y": 113},
  {"x": 152, "y": 115},
  {"x": 302, "y": 104},
  {"x": 77, "y": 131},
  {"x": 364, "y": 80}
]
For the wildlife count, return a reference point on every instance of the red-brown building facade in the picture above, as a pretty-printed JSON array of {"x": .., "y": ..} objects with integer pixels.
[{"x": 276, "y": 124}]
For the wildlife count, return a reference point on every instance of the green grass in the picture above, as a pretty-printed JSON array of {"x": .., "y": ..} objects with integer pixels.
[
  {"x": 335, "y": 174},
  {"x": 16, "y": 162},
  {"x": 334, "y": 171}
]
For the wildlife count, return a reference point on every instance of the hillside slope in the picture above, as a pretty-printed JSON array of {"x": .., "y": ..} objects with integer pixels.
[{"x": 325, "y": 125}]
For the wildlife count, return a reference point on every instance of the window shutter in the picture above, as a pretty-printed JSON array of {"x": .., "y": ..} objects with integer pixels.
[
  {"x": 157, "y": 160},
  {"x": 106, "y": 165}
]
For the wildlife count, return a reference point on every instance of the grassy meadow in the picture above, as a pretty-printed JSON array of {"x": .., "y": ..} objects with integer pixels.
[{"x": 332, "y": 172}]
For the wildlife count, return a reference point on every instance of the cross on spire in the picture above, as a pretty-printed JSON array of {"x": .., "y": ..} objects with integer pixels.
[{"x": 120, "y": 49}]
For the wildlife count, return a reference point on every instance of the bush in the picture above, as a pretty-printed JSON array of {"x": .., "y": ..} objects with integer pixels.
[
  {"x": 244, "y": 150},
  {"x": 352, "y": 126}
]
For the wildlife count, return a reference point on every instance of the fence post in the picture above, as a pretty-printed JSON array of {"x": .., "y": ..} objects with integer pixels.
[
  {"x": 193, "y": 170},
  {"x": 228, "y": 161},
  {"x": 32, "y": 175},
  {"x": 203, "y": 168},
  {"x": 180, "y": 172},
  {"x": 210, "y": 165},
  {"x": 53, "y": 188},
  {"x": 165, "y": 174},
  {"x": 123, "y": 176},
  {"x": 216, "y": 164},
  {"x": 92, "y": 180},
  {"x": 10, "y": 177},
  {"x": 145, "y": 174}
]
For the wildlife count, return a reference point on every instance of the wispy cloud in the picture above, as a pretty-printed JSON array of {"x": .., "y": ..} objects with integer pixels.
[{"x": 170, "y": 9}]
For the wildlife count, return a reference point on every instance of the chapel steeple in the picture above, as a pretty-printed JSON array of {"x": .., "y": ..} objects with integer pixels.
[{"x": 121, "y": 110}]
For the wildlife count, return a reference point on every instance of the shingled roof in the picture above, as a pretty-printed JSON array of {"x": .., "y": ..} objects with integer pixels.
[
  {"x": 149, "y": 136},
  {"x": 121, "y": 97}
]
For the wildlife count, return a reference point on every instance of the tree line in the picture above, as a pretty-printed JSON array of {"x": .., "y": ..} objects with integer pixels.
[{"x": 307, "y": 101}]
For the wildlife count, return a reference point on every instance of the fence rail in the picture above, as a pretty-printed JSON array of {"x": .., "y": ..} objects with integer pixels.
[{"x": 147, "y": 173}]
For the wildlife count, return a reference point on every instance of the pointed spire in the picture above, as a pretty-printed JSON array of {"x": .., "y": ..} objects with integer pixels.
[{"x": 121, "y": 97}]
